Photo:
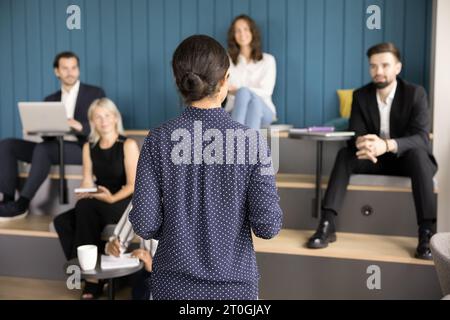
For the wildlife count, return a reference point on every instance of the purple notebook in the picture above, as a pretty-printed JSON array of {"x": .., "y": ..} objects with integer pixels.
[{"x": 321, "y": 129}]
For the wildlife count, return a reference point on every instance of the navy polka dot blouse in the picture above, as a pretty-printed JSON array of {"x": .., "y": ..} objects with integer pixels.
[{"x": 202, "y": 202}]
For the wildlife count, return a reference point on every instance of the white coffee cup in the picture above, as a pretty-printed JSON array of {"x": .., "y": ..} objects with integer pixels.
[{"x": 87, "y": 256}]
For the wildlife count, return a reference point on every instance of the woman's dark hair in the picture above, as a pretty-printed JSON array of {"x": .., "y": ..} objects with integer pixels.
[
  {"x": 65, "y": 54},
  {"x": 233, "y": 46},
  {"x": 383, "y": 48},
  {"x": 199, "y": 63}
]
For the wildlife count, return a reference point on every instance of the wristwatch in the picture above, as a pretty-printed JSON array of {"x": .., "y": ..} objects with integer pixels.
[{"x": 387, "y": 145}]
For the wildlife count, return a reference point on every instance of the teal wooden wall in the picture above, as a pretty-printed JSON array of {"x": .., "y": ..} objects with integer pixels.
[{"x": 126, "y": 47}]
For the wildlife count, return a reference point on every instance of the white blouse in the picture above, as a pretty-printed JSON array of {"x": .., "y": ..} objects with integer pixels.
[{"x": 258, "y": 76}]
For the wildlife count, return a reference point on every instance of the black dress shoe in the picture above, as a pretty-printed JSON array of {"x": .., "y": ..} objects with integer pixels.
[
  {"x": 423, "y": 250},
  {"x": 325, "y": 234}
]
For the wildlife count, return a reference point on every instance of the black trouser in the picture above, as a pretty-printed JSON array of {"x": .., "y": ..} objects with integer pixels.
[
  {"x": 141, "y": 285},
  {"x": 40, "y": 155},
  {"x": 84, "y": 224},
  {"x": 415, "y": 163}
]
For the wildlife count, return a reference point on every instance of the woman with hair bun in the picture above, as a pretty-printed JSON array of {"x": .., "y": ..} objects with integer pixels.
[{"x": 201, "y": 208}]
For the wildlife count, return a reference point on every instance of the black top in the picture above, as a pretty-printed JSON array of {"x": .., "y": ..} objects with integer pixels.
[
  {"x": 108, "y": 165},
  {"x": 86, "y": 95}
]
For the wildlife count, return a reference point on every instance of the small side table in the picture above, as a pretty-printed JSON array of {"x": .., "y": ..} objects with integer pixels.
[
  {"x": 320, "y": 138},
  {"x": 100, "y": 274}
]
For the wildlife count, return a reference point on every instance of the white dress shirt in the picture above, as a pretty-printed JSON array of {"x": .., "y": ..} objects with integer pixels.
[
  {"x": 69, "y": 99},
  {"x": 257, "y": 76},
  {"x": 385, "y": 114}
]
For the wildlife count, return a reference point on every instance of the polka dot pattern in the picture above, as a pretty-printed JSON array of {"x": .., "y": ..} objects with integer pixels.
[{"x": 203, "y": 214}]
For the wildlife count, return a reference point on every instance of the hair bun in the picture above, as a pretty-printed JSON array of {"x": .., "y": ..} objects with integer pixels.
[
  {"x": 191, "y": 81},
  {"x": 193, "y": 84}
]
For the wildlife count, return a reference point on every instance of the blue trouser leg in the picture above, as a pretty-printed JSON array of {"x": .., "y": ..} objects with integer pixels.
[{"x": 250, "y": 110}]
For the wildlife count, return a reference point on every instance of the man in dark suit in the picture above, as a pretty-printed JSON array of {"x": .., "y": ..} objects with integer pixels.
[
  {"x": 391, "y": 120},
  {"x": 77, "y": 97}
]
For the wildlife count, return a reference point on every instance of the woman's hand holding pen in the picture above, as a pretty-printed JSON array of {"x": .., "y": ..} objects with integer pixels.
[{"x": 113, "y": 248}]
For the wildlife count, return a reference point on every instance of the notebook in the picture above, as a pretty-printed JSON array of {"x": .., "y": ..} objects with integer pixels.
[
  {"x": 306, "y": 132},
  {"x": 124, "y": 261}
]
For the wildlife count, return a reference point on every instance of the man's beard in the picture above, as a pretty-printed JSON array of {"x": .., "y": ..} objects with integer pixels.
[
  {"x": 70, "y": 81},
  {"x": 382, "y": 85}
]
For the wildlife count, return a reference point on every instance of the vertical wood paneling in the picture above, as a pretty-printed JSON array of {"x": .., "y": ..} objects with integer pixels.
[
  {"x": 172, "y": 104},
  {"x": 189, "y": 18},
  {"x": 20, "y": 62},
  {"x": 394, "y": 22},
  {"x": 314, "y": 68},
  {"x": 414, "y": 40},
  {"x": 295, "y": 59},
  {"x": 140, "y": 65},
  {"x": 92, "y": 65},
  {"x": 222, "y": 20},
  {"x": 427, "y": 48},
  {"x": 333, "y": 51},
  {"x": 7, "y": 99},
  {"x": 126, "y": 47},
  {"x": 77, "y": 38},
  {"x": 277, "y": 47},
  {"x": 258, "y": 12},
  {"x": 240, "y": 7},
  {"x": 48, "y": 47},
  {"x": 354, "y": 17},
  {"x": 108, "y": 54},
  {"x": 371, "y": 37},
  {"x": 60, "y": 29},
  {"x": 124, "y": 66},
  {"x": 33, "y": 39},
  {"x": 206, "y": 17},
  {"x": 156, "y": 62}
]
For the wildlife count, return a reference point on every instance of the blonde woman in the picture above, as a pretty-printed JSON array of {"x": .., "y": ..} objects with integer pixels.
[{"x": 112, "y": 159}]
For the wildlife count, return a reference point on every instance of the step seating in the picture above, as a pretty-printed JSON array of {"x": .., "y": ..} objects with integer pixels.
[
  {"x": 370, "y": 202},
  {"x": 339, "y": 271},
  {"x": 288, "y": 269}
]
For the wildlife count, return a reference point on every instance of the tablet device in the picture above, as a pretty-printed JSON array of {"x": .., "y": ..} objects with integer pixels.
[{"x": 86, "y": 190}]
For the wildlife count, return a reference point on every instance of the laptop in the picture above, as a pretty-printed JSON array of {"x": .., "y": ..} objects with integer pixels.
[{"x": 43, "y": 117}]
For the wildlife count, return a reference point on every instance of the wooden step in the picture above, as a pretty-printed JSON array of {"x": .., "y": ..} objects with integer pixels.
[
  {"x": 37, "y": 226},
  {"x": 288, "y": 270},
  {"x": 305, "y": 181},
  {"x": 286, "y": 180},
  {"x": 18, "y": 288},
  {"x": 349, "y": 245},
  {"x": 386, "y": 203},
  {"x": 31, "y": 226}
]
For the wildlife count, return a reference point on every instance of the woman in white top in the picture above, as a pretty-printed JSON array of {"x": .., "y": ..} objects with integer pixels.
[{"x": 252, "y": 76}]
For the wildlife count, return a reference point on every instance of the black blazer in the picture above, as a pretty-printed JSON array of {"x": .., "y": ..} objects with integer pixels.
[
  {"x": 409, "y": 118},
  {"x": 86, "y": 95}
]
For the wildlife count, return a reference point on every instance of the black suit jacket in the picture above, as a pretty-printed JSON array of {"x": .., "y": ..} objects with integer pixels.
[
  {"x": 409, "y": 117},
  {"x": 86, "y": 95}
]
